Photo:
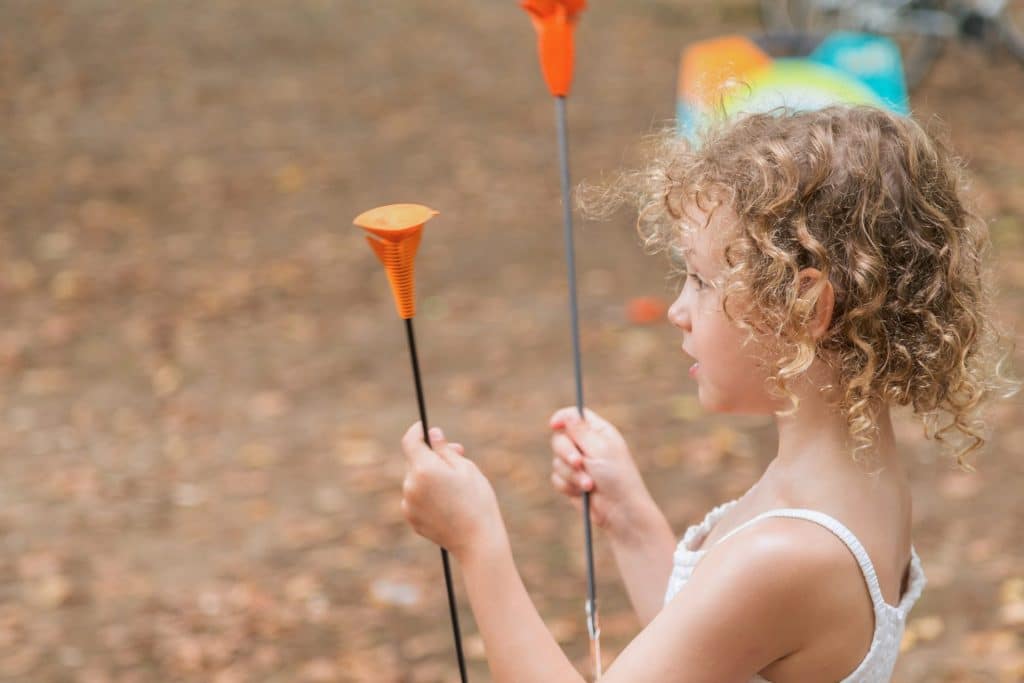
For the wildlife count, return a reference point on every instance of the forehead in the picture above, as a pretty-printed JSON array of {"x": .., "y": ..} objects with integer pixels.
[{"x": 704, "y": 231}]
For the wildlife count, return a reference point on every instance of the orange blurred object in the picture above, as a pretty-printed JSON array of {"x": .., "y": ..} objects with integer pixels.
[
  {"x": 554, "y": 21},
  {"x": 711, "y": 65},
  {"x": 645, "y": 310},
  {"x": 399, "y": 227}
]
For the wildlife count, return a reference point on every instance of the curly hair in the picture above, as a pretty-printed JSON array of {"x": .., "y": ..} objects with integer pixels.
[{"x": 875, "y": 203}]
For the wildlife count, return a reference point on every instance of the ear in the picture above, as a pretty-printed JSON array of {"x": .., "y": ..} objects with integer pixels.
[{"x": 812, "y": 279}]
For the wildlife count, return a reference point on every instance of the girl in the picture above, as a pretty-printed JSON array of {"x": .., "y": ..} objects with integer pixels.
[{"x": 832, "y": 271}]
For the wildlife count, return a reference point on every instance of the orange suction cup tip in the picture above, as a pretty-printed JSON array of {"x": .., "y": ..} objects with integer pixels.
[
  {"x": 554, "y": 21},
  {"x": 399, "y": 228}
]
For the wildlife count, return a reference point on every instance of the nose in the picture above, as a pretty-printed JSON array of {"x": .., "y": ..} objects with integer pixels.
[{"x": 679, "y": 313}]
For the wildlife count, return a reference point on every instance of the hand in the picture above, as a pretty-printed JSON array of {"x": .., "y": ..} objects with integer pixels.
[
  {"x": 445, "y": 497},
  {"x": 591, "y": 455}
]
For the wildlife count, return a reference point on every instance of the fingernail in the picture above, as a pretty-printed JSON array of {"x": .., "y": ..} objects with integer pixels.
[{"x": 436, "y": 433}]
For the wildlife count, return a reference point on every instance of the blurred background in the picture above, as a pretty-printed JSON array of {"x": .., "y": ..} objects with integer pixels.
[{"x": 203, "y": 380}]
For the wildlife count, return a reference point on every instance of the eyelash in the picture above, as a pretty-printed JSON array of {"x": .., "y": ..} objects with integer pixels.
[{"x": 696, "y": 278}]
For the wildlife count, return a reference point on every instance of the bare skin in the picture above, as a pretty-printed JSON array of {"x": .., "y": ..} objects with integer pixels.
[
  {"x": 783, "y": 598},
  {"x": 813, "y": 469}
]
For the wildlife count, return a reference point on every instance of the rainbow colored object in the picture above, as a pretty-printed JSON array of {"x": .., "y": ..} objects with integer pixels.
[{"x": 735, "y": 74}]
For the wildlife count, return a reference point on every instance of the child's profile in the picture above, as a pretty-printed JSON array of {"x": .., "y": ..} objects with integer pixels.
[{"x": 834, "y": 272}]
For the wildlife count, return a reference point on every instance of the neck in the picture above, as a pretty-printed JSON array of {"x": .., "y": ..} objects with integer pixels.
[{"x": 814, "y": 445}]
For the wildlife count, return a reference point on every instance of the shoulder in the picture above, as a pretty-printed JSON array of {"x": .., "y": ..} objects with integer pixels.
[
  {"x": 761, "y": 595},
  {"x": 794, "y": 548},
  {"x": 784, "y": 583},
  {"x": 779, "y": 567},
  {"x": 795, "y": 583}
]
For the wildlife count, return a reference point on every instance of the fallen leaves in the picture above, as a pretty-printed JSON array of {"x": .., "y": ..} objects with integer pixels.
[
  {"x": 394, "y": 593},
  {"x": 921, "y": 630},
  {"x": 44, "y": 583},
  {"x": 1011, "y": 598},
  {"x": 200, "y": 400},
  {"x": 45, "y": 382}
]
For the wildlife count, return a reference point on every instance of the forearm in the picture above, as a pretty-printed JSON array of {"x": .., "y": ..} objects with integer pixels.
[
  {"x": 518, "y": 644},
  {"x": 643, "y": 549}
]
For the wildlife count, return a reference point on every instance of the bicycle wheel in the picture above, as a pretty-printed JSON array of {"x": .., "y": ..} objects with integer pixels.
[
  {"x": 919, "y": 48},
  {"x": 1012, "y": 25}
]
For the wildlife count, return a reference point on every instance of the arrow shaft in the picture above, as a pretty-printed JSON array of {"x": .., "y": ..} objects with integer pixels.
[
  {"x": 570, "y": 250},
  {"x": 570, "y": 258},
  {"x": 445, "y": 561}
]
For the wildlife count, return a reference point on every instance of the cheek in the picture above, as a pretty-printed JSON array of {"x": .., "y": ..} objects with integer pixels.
[{"x": 733, "y": 376}]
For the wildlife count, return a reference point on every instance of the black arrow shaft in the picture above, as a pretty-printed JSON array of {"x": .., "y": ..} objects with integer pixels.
[{"x": 452, "y": 607}]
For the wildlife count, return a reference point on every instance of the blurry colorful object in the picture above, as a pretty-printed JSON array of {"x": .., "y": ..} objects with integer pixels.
[{"x": 735, "y": 74}]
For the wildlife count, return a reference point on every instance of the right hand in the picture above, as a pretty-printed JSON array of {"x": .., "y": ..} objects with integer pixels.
[{"x": 591, "y": 455}]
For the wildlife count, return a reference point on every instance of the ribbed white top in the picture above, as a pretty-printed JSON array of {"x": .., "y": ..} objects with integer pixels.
[{"x": 878, "y": 664}]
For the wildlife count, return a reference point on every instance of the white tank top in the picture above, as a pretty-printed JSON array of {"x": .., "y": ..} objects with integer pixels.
[{"x": 878, "y": 664}]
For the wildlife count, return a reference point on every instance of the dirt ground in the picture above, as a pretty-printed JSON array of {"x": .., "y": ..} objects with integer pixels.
[{"x": 202, "y": 378}]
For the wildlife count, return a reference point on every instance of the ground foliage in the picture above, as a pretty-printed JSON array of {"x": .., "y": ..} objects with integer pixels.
[{"x": 202, "y": 379}]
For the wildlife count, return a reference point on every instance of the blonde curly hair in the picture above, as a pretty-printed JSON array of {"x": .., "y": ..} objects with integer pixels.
[{"x": 876, "y": 204}]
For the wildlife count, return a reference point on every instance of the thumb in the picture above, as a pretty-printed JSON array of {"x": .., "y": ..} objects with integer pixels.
[
  {"x": 439, "y": 444},
  {"x": 413, "y": 445}
]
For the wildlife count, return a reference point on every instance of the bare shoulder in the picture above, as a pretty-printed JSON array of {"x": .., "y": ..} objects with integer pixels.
[
  {"x": 784, "y": 555},
  {"x": 761, "y": 596},
  {"x": 805, "y": 591},
  {"x": 781, "y": 564}
]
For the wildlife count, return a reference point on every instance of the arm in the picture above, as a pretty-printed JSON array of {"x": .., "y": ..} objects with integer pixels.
[
  {"x": 519, "y": 645},
  {"x": 748, "y": 603},
  {"x": 447, "y": 499},
  {"x": 591, "y": 455},
  {"x": 744, "y": 607},
  {"x": 643, "y": 552}
]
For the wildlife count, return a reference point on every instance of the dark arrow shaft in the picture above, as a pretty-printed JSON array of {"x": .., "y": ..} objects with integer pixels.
[
  {"x": 452, "y": 608},
  {"x": 570, "y": 256}
]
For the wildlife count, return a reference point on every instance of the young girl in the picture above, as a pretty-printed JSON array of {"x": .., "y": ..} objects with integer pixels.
[{"x": 832, "y": 271}]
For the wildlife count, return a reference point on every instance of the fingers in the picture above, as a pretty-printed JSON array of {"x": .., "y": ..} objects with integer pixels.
[
  {"x": 558, "y": 420},
  {"x": 416, "y": 449},
  {"x": 575, "y": 479},
  {"x": 438, "y": 442},
  {"x": 444, "y": 450},
  {"x": 563, "y": 415},
  {"x": 566, "y": 488},
  {"x": 413, "y": 445},
  {"x": 567, "y": 468},
  {"x": 586, "y": 434},
  {"x": 565, "y": 449}
]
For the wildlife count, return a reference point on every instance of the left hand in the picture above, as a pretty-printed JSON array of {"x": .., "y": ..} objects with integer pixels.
[{"x": 445, "y": 497}]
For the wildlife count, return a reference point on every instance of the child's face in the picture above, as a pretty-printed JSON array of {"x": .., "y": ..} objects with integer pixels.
[{"x": 730, "y": 374}]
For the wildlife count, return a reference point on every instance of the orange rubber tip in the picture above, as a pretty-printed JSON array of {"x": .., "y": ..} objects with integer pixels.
[
  {"x": 554, "y": 21},
  {"x": 399, "y": 228}
]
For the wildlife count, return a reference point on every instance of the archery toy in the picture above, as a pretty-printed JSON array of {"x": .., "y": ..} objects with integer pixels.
[
  {"x": 554, "y": 21},
  {"x": 397, "y": 229}
]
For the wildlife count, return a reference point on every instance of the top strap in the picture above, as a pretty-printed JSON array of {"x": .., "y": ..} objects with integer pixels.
[{"x": 837, "y": 528}]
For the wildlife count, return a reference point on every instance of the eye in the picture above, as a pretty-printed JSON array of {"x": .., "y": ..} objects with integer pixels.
[{"x": 696, "y": 280}]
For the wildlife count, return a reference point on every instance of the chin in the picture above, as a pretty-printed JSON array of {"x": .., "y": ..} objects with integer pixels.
[{"x": 723, "y": 405}]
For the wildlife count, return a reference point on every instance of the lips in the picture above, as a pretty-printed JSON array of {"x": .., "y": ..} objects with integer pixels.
[{"x": 694, "y": 368}]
